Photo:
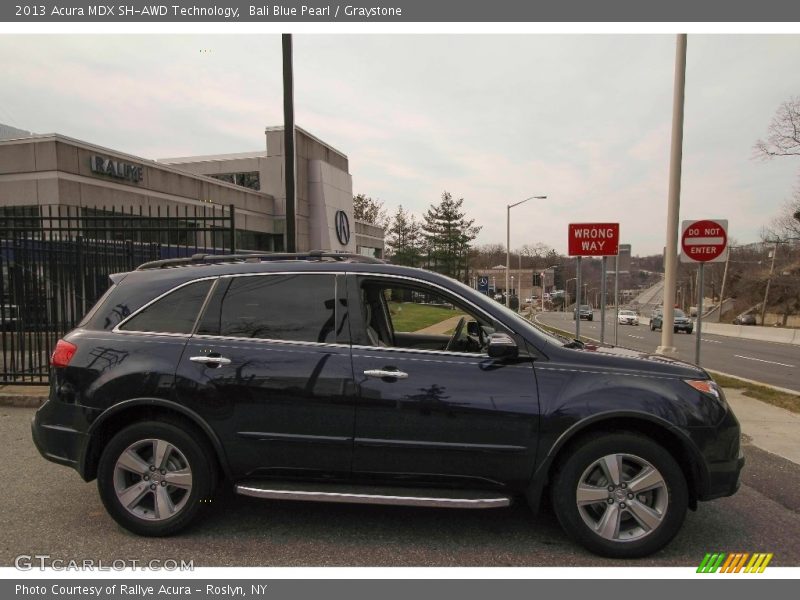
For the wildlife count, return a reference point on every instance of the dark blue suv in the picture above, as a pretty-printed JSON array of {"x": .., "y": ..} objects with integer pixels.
[{"x": 338, "y": 378}]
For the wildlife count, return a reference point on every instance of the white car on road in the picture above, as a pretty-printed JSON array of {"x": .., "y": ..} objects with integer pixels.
[{"x": 628, "y": 317}]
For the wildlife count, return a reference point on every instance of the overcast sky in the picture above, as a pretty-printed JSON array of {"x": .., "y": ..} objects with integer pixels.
[{"x": 584, "y": 119}]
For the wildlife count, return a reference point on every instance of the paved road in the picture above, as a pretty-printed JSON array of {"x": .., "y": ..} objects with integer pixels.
[
  {"x": 770, "y": 362},
  {"x": 48, "y": 509}
]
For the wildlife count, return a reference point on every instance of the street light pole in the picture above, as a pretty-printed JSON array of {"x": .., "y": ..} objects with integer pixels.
[
  {"x": 566, "y": 291},
  {"x": 673, "y": 206},
  {"x": 508, "y": 241}
]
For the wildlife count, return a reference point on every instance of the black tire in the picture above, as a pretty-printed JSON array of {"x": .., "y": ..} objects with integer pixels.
[
  {"x": 570, "y": 470},
  {"x": 197, "y": 454},
  {"x": 652, "y": 327}
]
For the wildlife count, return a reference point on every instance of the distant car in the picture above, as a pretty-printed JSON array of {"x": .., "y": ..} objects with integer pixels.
[
  {"x": 745, "y": 319},
  {"x": 628, "y": 317},
  {"x": 680, "y": 321},
  {"x": 585, "y": 312}
]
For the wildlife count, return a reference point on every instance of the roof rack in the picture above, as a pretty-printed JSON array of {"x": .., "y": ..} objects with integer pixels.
[{"x": 208, "y": 259}]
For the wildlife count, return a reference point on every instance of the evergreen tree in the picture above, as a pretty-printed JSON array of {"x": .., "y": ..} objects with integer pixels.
[
  {"x": 404, "y": 239},
  {"x": 448, "y": 235},
  {"x": 369, "y": 210}
]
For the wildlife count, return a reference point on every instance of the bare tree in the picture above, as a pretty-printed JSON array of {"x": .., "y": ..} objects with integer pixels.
[
  {"x": 783, "y": 133},
  {"x": 787, "y": 223}
]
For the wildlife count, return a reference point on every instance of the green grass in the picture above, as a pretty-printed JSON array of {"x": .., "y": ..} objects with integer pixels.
[
  {"x": 766, "y": 394},
  {"x": 410, "y": 316}
]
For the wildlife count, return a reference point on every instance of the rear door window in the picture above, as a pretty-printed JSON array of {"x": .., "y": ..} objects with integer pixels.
[{"x": 291, "y": 307}]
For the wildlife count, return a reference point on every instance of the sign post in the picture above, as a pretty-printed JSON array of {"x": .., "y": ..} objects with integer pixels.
[
  {"x": 616, "y": 300},
  {"x": 702, "y": 242},
  {"x": 603, "y": 303},
  {"x": 592, "y": 239}
]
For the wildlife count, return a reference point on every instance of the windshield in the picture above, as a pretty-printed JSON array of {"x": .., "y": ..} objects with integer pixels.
[
  {"x": 679, "y": 313},
  {"x": 627, "y": 313}
]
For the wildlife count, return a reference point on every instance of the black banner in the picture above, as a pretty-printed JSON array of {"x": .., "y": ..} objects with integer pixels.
[
  {"x": 403, "y": 11},
  {"x": 730, "y": 588}
]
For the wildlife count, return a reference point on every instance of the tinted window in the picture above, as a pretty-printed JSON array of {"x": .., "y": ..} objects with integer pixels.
[
  {"x": 278, "y": 307},
  {"x": 174, "y": 313}
]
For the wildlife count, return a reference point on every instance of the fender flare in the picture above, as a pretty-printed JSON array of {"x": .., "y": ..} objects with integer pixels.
[
  {"x": 540, "y": 475},
  {"x": 170, "y": 405}
]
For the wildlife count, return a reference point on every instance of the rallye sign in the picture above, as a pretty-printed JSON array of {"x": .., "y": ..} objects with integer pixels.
[{"x": 593, "y": 239}]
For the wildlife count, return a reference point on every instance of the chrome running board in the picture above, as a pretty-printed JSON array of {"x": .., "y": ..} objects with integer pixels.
[{"x": 355, "y": 494}]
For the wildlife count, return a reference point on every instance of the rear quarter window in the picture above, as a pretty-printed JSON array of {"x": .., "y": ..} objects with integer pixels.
[{"x": 176, "y": 312}]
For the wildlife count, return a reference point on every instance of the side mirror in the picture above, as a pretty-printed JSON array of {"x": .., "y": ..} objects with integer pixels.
[
  {"x": 474, "y": 328},
  {"x": 502, "y": 345}
]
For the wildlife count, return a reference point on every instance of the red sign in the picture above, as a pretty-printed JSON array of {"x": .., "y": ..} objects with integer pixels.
[
  {"x": 704, "y": 241},
  {"x": 593, "y": 239}
]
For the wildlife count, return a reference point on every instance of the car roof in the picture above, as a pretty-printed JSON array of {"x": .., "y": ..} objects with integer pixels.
[{"x": 169, "y": 273}]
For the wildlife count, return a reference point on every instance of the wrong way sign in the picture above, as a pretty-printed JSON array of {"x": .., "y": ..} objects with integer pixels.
[
  {"x": 593, "y": 239},
  {"x": 704, "y": 241}
]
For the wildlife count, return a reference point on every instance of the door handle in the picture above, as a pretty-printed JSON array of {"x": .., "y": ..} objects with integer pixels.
[
  {"x": 219, "y": 361},
  {"x": 381, "y": 373}
]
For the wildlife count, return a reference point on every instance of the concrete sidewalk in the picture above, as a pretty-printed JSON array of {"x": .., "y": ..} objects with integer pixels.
[{"x": 773, "y": 429}]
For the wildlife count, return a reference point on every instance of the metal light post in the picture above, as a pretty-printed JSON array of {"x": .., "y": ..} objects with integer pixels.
[
  {"x": 674, "y": 198},
  {"x": 566, "y": 291},
  {"x": 508, "y": 240}
]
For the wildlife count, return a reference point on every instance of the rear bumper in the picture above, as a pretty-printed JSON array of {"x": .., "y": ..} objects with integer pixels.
[{"x": 55, "y": 435}]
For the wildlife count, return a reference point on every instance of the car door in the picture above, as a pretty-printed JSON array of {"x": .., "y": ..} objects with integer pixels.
[
  {"x": 269, "y": 368},
  {"x": 435, "y": 415}
]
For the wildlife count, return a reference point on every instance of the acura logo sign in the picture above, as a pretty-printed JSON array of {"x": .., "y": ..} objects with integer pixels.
[{"x": 342, "y": 223}]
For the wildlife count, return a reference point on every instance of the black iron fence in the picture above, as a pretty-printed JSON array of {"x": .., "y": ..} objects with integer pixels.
[{"x": 56, "y": 260}]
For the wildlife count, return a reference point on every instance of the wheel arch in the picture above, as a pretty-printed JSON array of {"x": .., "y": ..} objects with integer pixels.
[
  {"x": 140, "y": 409},
  {"x": 675, "y": 441}
]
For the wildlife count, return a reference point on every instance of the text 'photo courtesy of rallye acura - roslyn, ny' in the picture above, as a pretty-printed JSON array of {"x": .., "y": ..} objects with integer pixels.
[{"x": 297, "y": 376}]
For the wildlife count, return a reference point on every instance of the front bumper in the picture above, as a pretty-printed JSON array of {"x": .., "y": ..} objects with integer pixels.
[{"x": 722, "y": 457}]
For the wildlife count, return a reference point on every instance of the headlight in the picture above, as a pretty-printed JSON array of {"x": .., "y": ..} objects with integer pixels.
[{"x": 707, "y": 387}]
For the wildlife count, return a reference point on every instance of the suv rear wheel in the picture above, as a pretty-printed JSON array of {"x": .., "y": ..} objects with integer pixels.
[
  {"x": 620, "y": 495},
  {"x": 153, "y": 478}
]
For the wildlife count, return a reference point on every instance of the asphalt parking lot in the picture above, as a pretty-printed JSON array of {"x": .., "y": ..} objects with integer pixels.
[{"x": 48, "y": 509}]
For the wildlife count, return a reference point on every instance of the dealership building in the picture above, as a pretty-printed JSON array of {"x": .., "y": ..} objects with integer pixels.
[{"x": 55, "y": 170}]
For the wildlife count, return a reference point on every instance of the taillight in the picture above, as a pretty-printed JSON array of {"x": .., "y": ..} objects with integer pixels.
[{"x": 62, "y": 354}]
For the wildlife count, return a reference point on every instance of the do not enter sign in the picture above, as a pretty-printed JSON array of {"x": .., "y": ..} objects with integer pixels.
[{"x": 704, "y": 241}]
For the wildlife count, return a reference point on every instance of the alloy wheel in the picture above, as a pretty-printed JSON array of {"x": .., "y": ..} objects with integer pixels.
[
  {"x": 622, "y": 497},
  {"x": 152, "y": 479}
]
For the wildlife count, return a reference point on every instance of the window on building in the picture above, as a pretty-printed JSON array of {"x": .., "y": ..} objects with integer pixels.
[
  {"x": 297, "y": 308},
  {"x": 174, "y": 313},
  {"x": 251, "y": 179}
]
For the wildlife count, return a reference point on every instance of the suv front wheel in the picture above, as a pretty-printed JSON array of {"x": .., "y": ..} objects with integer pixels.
[
  {"x": 153, "y": 478},
  {"x": 620, "y": 495}
]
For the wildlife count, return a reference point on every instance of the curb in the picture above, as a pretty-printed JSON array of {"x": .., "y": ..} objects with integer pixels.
[{"x": 22, "y": 401}]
